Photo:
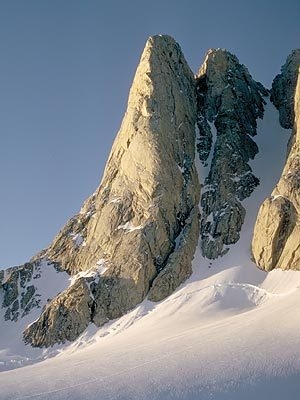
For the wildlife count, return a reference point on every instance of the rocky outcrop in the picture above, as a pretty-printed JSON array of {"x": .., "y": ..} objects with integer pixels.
[
  {"x": 179, "y": 264},
  {"x": 276, "y": 235},
  {"x": 64, "y": 318},
  {"x": 140, "y": 228},
  {"x": 19, "y": 287},
  {"x": 276, "y": 219},
  {"x": 283, "y": 90},
  {"x": 229, "y": 103}
]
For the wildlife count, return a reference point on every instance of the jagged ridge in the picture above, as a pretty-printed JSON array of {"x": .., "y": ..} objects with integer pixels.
[{"x": 229, "y": 103}]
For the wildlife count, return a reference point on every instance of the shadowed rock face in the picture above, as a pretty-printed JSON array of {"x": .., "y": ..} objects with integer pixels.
[
  {"x": 229, "y": 103},
  {"x": 19, "y": 292},
  {"x": 140, "y": 228},
  {"x": 276, "y": 238},
  {"x": 20, "y": 287},
  {"x": 283, "y": 90},
  {"x": 64, "y": 318}
]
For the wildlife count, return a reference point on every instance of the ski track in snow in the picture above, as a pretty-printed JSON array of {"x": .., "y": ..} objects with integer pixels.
[{"x": 229, "y": 332}]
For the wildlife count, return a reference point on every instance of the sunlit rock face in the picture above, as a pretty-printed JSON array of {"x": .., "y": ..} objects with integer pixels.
[
  {"x": 229, "y": 104},
  {"x": 276, "y": 239},
  {"x": 139, "y": 230}
]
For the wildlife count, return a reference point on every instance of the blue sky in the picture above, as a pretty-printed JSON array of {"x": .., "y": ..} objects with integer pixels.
[{"x": 65, "y": 71}]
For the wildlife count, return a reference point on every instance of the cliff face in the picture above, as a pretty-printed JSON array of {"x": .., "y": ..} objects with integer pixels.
[
  {"x": 276, "y": 239},
  {"x": 229, "y": 103},
  {"x": 140, "y": 228},
  {"x": 136, "y": 236},
  {"x": 283, "y": 90}
]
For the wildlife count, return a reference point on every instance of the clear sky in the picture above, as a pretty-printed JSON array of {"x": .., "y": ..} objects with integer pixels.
[{"x": 65, "y": 71}]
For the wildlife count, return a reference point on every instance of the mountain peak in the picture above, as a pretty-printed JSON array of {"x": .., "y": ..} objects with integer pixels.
[
  {"x": 136, "y": 236},
  {"x": 294, "y": 58},
  {"x": 132, "y": 238},
  {"x": 157, "y": 45},
  {"x": 161, "y": 40},
  {"x": 284, "y": 87},
  {"x": 218, "y": 60},
  {"x": 229, "y": 103},
  {"x": 217, "y": 54},
  {"x": 162, "y": 49}
]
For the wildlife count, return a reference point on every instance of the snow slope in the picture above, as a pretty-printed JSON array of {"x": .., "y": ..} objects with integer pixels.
[{"x": 230, "y": 332}]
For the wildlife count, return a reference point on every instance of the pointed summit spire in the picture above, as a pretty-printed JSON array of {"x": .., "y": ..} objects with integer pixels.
[{"x": 129, "y": 227}]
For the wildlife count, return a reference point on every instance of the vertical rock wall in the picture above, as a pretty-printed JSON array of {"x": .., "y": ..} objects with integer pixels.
[
  {"x": 229, "y": 103},
  {"x": 140, "y": 228},
  {"x": 276, "y": 238}
]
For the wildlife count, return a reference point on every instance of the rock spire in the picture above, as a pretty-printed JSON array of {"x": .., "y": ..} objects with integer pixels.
[
  {"x": 229, "y": 103},
  {"x": 137, "y": 234},
  {"x": 276, "y": 238}
]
